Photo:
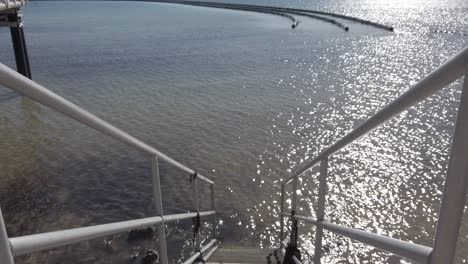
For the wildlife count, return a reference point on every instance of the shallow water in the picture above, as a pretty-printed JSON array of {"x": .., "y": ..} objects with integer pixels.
[{"x": 243, "y": 99}]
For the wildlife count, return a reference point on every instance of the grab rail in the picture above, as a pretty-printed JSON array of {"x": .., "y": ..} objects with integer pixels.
[
  {"x": 456, "y": 183},
  {"x": 33, "y": 243},
  {"x": 10, "y": 247}
]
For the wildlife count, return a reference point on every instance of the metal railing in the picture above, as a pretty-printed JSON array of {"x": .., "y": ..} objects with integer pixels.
[
  {"x": 17, "y": 246},
  {"x": 456, "y": 182}
]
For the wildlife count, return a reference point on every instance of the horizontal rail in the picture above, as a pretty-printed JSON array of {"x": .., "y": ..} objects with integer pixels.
[
  {"x": 450, "y": 71},
  {"x": 17, "y": 82},
  {"x": 414, "y": 252},
  {"x": 198, "y": 253},
  {"x": 38, "y": 242},
  {"x": 208, "y": 255}
]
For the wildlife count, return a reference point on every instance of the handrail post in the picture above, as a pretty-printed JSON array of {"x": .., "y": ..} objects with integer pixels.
[
  {"x": 294, "y": 195},
  {"x": 320, "y": 209},
  {"x": 5, "y": 250},
  {"x": 213, "y": 208},
  {"x": 294, "y": 235},
  {"x": 456, "y": 184},
  {"x": 159, "y": 209},
  {"x": 282, "y": 216},
  {"x": 196, "y": 207}
]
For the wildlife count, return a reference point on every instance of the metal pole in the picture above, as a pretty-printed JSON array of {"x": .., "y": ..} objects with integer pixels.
[
  {"x": 294, "y": 195},
  {"x": 196, "y": 208},
  {"x": 282, "y": 216},
  {"x": 456, "y": 184},
  {"x": 213, "y": 208},
  {"x": 5, "y": 251},
  {"x": 159, "y": 209},
  {"x": 19, "y": 45},
  {"x": 25, "y": 51},
  {"x": 320, "y": 209},
  {"x": 294, "y": 235}
]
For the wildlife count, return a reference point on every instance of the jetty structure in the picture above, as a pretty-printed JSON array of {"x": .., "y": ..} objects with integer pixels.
[{"x": 442, "y": 250}]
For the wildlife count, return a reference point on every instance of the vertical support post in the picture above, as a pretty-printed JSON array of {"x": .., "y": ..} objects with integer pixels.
[
  {"x": 5, "y": 251},
  {"x": 294, "y": 195},
  {"x": 214, "y": 209},
  {"x": 196, "y": 208},
  {"x": 19, "y": 44},
  {"x": 294, "y": 235},
  {"x": 456, "y": 184},
  {"x": 320, "y": 209},
  {"x": 282, "y": 216},
  {"x": 159, "y": 210}
]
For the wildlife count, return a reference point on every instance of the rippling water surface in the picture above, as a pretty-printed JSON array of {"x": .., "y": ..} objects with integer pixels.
[{"x": 243, "y": 99}]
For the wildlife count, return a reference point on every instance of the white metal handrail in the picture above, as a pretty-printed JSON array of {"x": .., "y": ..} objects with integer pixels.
[
  {"x": 10, "y": 247},
  {"x": 200, "y": 252},
  {"x": 456, "y": 183},
  {"x": 33, "y": 243}
]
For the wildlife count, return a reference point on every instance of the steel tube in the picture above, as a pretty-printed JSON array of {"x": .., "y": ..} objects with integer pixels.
[
  {"x": 447, "y": 73},
  {"x": 293, "y": 241},
  {"x": 414, "y": 252},
  {"x": 208, "y": 255},
  {"x": 320, "y": 210},
  {"x": 19, "y": 48},
  {"x": 38, "y": 242},
  {"x": 196, "y": 207},
  {"x": 15, "y": 81},
  {"x": 6, "y": 256},
  {"x": 159, "y": 209},
  {"x": 456, "y": 185},
  {"x": 197, "y": 254},
  {"x": 294, "y": 195}
]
